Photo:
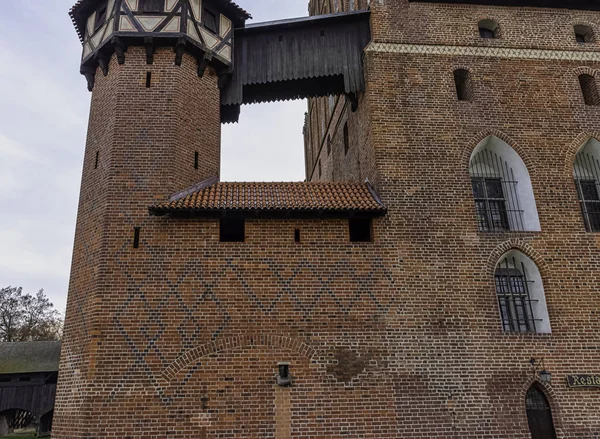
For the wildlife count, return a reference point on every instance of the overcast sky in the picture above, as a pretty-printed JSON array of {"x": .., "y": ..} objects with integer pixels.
[{"x": 44, "y": 107}]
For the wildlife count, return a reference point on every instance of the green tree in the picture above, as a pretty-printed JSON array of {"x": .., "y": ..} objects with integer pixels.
[{"x": 26, "y": 317}]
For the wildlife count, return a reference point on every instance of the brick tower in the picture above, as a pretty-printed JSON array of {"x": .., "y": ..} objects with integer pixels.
[{"x": 435, "y": 276}]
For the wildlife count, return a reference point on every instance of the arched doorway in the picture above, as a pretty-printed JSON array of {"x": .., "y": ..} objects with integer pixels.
[{"x": 539, "y": 414}]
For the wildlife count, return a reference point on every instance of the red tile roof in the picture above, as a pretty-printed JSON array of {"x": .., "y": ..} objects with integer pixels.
[{"x": 274, "y": 197}]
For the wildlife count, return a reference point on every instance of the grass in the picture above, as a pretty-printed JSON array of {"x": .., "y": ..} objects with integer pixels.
[{"x": 20, "y": 436}]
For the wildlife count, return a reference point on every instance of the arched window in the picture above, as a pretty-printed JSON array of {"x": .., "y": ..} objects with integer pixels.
[
  {"x": 521, "y": 297},
  {"x": 539, "y": 414},
  {"x": 504, "y": 199},
  {"x": 589, "y": 88},
  {"x": 488, "y": 29},
  {"x": 587, "y": 179},
  {"x": 464, "y": 88},
  {"x": 584, "y": 34}
]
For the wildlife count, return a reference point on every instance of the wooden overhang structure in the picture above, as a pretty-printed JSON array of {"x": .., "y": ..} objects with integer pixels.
[
  {"x": 28, "y": 375},
  {"x": 590, "y": 5},
  {"x": 297, "y": 58}
]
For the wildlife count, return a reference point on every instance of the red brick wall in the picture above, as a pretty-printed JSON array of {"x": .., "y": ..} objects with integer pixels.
[{"x": 396, "y": 338}]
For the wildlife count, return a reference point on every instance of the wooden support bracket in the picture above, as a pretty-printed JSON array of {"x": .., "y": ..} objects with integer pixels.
[
  {"x": 90, "y": 76},
  {"x": 120, "y": 49},
  {"x": 203, "y": 63},
  {"x": 102, "y": 63},
  {"x": 179, "y": 51}
]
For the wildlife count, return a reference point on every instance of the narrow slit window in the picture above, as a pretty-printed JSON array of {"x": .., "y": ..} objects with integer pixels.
[
  {"x": 196, "y": 160},
  {"x": 589, "y": 89},
  {"x": 232, "y": 230},
  {"x": 346, "y": 139},
  {"x": 148, "y": 79},
  {"x": 136, "y": 237},
  {"x": 97, "y": 160},
  {"x": 24, "y": 379},
  {"x": 464, "y": 88},
  {"x": 361, "y": 230},
  {"x": 584, "y": 34},
  {"x": 320, "y": 173},
  {"x": 297, "y": 235},
  {"x": 209, "y": 18},
  {"x": 329, "y": 144}
]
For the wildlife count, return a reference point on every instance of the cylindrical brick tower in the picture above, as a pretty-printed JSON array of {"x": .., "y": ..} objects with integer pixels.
[{"x": 154, "y": 68}]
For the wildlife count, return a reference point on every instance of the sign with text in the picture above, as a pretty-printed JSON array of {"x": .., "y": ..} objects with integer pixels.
[{"x": 583, "y": 380}]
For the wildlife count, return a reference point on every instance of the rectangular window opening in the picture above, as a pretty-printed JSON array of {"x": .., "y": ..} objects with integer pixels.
[
  {"x": 136, "y": 237},
  {"x": 297, "y": 235},
  {"x": 209, "y": 18},
  {"x": 5, "y": 380},
  {"x": 196, "y": 160},
  {"x": 97, "y": 159},
  {"x": 148, "y": 79},
  {"x": 361, "y": 230},
  {"x": 151, "y": 5},
  {"x": 346, "y": 139},
  {"x": 232, "y": 230},
  {"x": 24, "y": 379}
]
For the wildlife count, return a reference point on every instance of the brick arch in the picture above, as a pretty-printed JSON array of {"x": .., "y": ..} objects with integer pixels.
[
  {"x": 515, "y": 244},
  {"x": 585, "y": 70},
  {"x": 482, "y": 135},
  {"x": 236, "y": 342},
  {"x": 461, "y": 67},
  {"x": 550, "y": 396},
  {"x": 574, "y": 147}
]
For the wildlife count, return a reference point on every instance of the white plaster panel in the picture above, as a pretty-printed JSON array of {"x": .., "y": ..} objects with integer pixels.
[
  {"x": 225, "y": 26},
  {"x": 132, "y": 4},
  {"x": 192, "y": 31},
  {"x": 108, "y": 30},
  {"x": 209, "y": 39},
  {"x": 170, "y": 5},
  {"x": 97, "y": 39},
  {"x": 225, "y": 53},
  {"x": 110, "y": 7},
  {"x": 150, "y": 23},
  {"x": 90, "y": 25},
  {"x": 173, "y": 25},
  {"x": 196, "y": 6},
  {"x": 126, "y": 24},
  {"x": 86, "y": 50}
]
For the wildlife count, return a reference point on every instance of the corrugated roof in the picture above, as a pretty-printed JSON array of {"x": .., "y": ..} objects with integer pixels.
[
  {"x": 29, "y": 357},
  {"x": 275, "y": 197}
]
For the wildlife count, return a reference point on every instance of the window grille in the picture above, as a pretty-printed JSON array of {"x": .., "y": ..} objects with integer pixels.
[
  {"x": 587, "y": 180},
  {"x": 512, "y": 288},
  {"x": 495, "y": 192}
]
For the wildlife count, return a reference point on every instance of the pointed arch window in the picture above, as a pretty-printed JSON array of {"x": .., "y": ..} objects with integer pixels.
[
  {"x": 520, "y": 293},
  {"x": 539, "y": 414},
  {"x": 502, "y": 189},
  {"x": 587, "y": 180}
]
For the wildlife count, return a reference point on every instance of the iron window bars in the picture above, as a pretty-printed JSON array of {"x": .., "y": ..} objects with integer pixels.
[
  {"x": 587, "y": 180},
  {"x": 512, "y": 289},
  {"x": 495, "y": 192}
]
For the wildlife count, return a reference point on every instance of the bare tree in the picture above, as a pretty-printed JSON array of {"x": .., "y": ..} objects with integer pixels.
[{"x": 26, "y": 317}]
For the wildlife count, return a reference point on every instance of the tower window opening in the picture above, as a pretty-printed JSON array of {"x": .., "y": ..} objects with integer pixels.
[
  {"x": 584, "y": 34},
  {"x": 100, "y": 17},
  {"x": 589, "y": 89},
  {"x": 346, "y": 139},
  {"x": 488, "y": 29},
  {"x": 136, "y": 237},
  {"x": 196, "y": 160},
  {"x": 209, "y": 18},
  {"x": 361, "y": 230},
  {"x": 97, "y": 159},
  {"x": 297, "y": 235},
  {"x": 587, "y": 180},
  {"x": 464, "y": 88},
  {"x": 320, "y": 173},
  {"x": 148, "y": 79},
  {"x": 232, "y": 230},
  {"x": 329, "y": 144},
  {"x": 152, "y": 5}
]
